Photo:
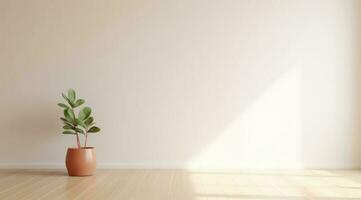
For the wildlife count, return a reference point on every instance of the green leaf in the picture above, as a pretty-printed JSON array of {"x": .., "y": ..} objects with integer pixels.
[
  {"x": 65, "y": 120},
  {"x": 68, "y": 100},
  {"x": 88, "y": 121},
  {"x": 94, "y": 129},
  {"x": 84, "y": 113},
  {"x": 69, "y": 132},
  {"x": 72, "y": 114},
  {"x": 70, "y": 124},
  {"x": 79, "y": 102},
  {"x": 69, "y": 115},
  {"x": 79, "y": 130},
  {"x": 71, "y": 95},
  {"x": 67, "y": 127},
  {"x": 64, "y": 96},
  {"x": 63, "y": 105},
  {"x": 80, "y": 123}
]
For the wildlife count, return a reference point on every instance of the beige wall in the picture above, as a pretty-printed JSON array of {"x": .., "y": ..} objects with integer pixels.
[{"x": 198, "y": 84}]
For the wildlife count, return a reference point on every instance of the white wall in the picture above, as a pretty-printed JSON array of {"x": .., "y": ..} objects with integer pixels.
[{"x": 198, "y": 84}]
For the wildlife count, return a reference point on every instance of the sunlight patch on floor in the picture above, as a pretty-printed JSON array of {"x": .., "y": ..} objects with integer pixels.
[{"x": 306, "y": 184}]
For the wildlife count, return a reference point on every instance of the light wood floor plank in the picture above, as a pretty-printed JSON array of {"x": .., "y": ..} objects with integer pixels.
[{"x": 182, "y": 185}]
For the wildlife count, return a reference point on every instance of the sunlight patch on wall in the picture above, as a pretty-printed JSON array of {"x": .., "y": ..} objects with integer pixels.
[{"x": 265, "y": 135}]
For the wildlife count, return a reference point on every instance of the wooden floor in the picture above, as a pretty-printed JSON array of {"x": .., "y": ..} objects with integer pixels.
[{"x": 181, "y": 185}]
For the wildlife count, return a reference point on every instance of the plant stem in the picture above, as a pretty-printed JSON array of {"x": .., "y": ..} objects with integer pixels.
[
  {"x": 86, "y": 138},
  {"x": 78, "y": 140}
]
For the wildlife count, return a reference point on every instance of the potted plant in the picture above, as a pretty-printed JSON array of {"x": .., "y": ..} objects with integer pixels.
[{"x": 80, "y": 161}]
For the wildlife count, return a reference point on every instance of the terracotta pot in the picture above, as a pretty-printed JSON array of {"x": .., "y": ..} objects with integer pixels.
[{"x": 80, "y": 162}]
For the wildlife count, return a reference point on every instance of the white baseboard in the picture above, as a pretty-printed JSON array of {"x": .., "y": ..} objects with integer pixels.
[
  {"x": 32, "y": 165},
  {"x": 170, "y": 166}
]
